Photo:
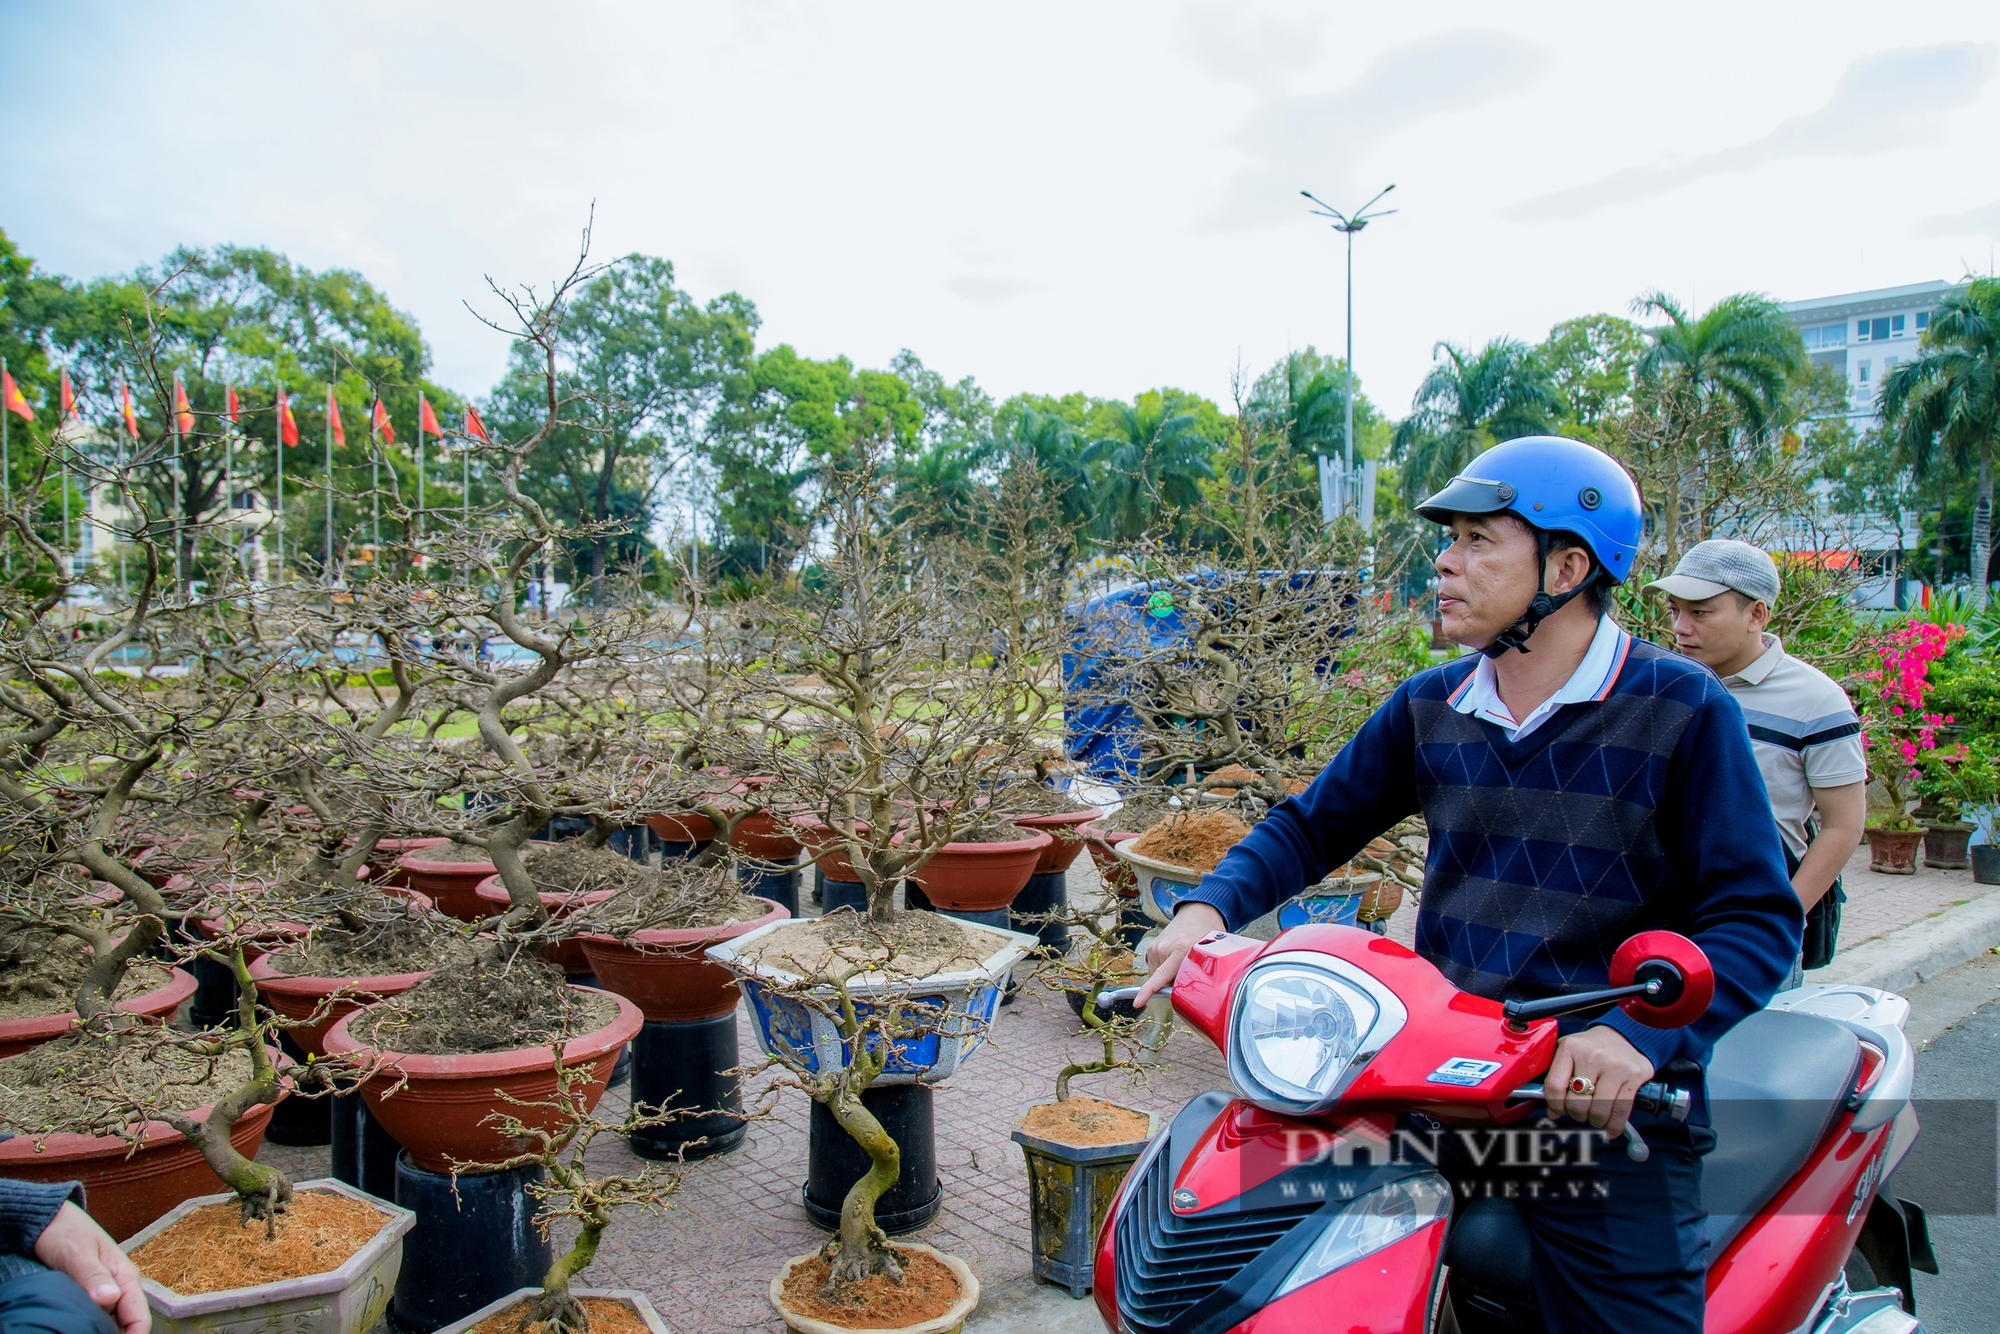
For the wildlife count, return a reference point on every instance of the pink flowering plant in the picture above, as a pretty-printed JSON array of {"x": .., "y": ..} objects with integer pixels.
[{"x": 1896, "y": 728}]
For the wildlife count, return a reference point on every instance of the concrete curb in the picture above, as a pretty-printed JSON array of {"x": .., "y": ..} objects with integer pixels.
[{"x": 1921, "y": 950}]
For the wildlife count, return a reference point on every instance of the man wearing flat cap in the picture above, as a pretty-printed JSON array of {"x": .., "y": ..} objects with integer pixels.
[{"x": 1802, "y": 727}]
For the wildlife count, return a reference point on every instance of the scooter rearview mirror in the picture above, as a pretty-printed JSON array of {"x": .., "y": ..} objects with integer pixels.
[{"x": 1681, "y": 977}]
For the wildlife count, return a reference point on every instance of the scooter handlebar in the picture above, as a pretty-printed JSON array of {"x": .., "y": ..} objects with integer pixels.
[{"x": 1655, "y": 1096}]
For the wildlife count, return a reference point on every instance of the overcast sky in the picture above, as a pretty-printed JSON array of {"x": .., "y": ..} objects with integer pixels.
[{"x": 1072, "y": 196}]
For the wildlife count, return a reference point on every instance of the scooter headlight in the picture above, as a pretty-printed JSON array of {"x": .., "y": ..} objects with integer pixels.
[
  {"x": 1299, "y": 1027},
  {"x": 1377, "y": 1219}
]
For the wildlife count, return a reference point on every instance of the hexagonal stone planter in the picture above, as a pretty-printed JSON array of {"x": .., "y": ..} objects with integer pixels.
[{"x": 347, "y": 1300}]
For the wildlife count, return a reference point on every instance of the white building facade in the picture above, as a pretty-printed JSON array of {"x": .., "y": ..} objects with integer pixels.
[{"x": 1865, "y": 335}]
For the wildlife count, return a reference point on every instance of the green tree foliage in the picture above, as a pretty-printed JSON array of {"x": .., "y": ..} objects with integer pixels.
[
  {"x": 1469, "y": 402},
  {"x": 1593, "y": 363},
  {"x": 1943, "y": 407},
  {"x": 1151, "y": 463},
  {"x": 1744, "y": 348}
]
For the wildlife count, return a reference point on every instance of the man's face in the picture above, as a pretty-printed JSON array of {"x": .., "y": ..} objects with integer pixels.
[
  {"x": 1486, "y": 577},
  {"x": 1721, "y": 630}
]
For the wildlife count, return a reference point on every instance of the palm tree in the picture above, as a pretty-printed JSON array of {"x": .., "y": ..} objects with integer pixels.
[
  {"x": 1743, "y": 348},
  {"x": 1057, "y": 451},
  {"x": 1155, "y": 457},
  {"x": 1468, "y": 402},
  {"x": 1946, "y": 402}
]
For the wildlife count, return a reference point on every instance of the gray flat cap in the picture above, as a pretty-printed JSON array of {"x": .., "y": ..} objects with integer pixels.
[{"x": 1722, "y": 565}]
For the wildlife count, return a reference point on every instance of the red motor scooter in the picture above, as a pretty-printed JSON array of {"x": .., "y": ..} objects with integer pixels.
[{"x": 1296, "y": 1206}]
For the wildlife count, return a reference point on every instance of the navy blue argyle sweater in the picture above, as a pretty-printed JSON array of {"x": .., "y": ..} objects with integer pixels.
[{"x": 1641, "y": 809}]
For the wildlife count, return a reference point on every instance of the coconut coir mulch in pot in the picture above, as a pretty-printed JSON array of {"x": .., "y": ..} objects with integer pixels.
[
  {"x": 927, "y": 1291},
  {"x": 1197, "y": 840},
  {"x": 211, "y": 1251},
  {"x": 607, "y": 1315},
  {"x": 1085, "y": 1122}
]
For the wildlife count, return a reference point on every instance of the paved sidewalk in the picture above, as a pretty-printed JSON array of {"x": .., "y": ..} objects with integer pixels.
[{"x": 708, "y": 1262}]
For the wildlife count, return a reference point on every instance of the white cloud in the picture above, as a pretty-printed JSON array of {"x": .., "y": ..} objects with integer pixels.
[
  {"x": 1981, "y": 221},
  {"x": 1886, "y": 101}
]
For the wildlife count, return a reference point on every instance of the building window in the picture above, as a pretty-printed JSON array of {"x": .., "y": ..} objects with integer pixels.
[
  {"x": 1895, "y": 326},
  {"x": 1889, "y": 364},
  {"x": 1862, "y": 373},
  {"x": 1923, "y": 320},
  {"x": 1874, "y": 331},
  {"x": 1825, "y": 335}
]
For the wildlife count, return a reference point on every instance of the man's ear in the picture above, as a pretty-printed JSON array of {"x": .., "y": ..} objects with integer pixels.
[
  {"x": 1760, "y": 615},
  {"x": 1567, "y": 569}
]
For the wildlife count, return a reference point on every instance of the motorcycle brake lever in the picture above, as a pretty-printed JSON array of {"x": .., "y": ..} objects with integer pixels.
[
  {"x": 1635, "y": 1147},
  {"x": 1110, "y": 997}
]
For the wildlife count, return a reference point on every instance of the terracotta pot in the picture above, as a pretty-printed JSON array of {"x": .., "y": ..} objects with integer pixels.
[
  {"x": 390, "y": 852},
  {"x": 439, "y": 1113},
  {"x": 762, "y": 836},
  {"x": 1064, "y": 829},
  {"x": 452, "y": 886},
  {"x": 682, "y": 827},
  {"x": 1117, "y": 875},
  {"x": 17, "y": 1035},
  {"x": 564, "y": 954},
  {"x": 1894, "y": 851},
  {"x": 297, "y": 997},
  {"x": 126, "y": 1193},
  {"x": 155, "y": 864},
  {"x": 951, "y": 1322},
  {"x": 826, "y": 844},
  {"x": 980, "y": 877},
  {"x": 664, "y": 972},
  {"x": 641, "y": 1306},
  {"x": 1945, "y": 846}
]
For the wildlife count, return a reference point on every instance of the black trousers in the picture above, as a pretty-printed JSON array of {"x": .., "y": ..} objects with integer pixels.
[
  {"x": 1613, "y": 1245},
  {"x": 45, "y": 1302}
]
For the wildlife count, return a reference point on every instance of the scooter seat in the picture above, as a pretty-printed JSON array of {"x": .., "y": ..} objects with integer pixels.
[{"x": 1775, "y": 1082}]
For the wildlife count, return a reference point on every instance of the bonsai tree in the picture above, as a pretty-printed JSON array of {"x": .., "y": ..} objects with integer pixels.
[
  {"x": 1099, "y": 958},
  {"x": 883, "y": 696},
  {"x": 870, "y": 1027},
  {"x": 559, "y": 1144}
]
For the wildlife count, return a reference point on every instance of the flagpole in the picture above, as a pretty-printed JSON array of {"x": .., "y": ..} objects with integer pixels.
[
  {"x": 328, "y": 567},
  {"x": 375, "y": 483},
  {"x": 229, "y": 473},
  {"x": 6, "y": 479},
  {"x": 420, "y": 463}
]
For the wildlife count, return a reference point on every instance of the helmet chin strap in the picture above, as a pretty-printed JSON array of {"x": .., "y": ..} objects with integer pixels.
[{"x": 1544, "y": 605}]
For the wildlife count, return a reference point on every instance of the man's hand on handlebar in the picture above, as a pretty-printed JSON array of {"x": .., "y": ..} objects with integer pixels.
[
  {"x": 1191, "y": 922},
  {"x": 1610, "y": 1067}
]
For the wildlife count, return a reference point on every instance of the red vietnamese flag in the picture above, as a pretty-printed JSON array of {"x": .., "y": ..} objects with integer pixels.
[
  {"x": 427, "y": 420},
  {"x": 68, "y": 396},
  {"x": 475, "y": 427},
  {"x": 288, "y": 427},
  {"x": 11, "y": 398},
  {"x": 384, "y": 428},
  {"x": 333, "y": 419},
  {"x": 183, "y": 410},
  {"x": 235, "y": 405},
  {"x": 131, "y": 416}
]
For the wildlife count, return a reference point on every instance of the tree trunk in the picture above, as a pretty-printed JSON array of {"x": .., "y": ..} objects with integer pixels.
[
  {"x": 864, "y": 1247},
  {"x": 1982, "y": 527},
  {"x": 555, "y": 1306}
]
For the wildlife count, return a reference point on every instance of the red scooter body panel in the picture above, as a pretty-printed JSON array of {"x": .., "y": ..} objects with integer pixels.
[
  {"x": 1772, "y": 1275},
  {"x": 1388, "y": 1292},
  {"x": 1445, "y": 1022}
]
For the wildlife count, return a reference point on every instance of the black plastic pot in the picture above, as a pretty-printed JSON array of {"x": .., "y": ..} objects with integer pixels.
[
  {"x": 299, "y": 1122},
  {"x": 634, "y": 840},
  {"x": 765, "y": 881},
  {"x": 686, "y": 1067},
  {"x": 474, "y": 1241},
  {"x": 677, "y": 851},
  {"x": 1070, "y": 1188},
  {"x": 835, "y": 1162},
  {"x": 214, "y": 1002},
  {"x": 1986, "y": 864},
  {"x": 915, "y": 899},
  {"x": 997, "y": 917},
  {"x": 835, "y": 894},
  {"x": 1043, "y": 894},
  {"x": 364, "y": 1154}
]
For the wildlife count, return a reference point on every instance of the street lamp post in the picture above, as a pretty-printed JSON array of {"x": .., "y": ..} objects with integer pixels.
[{"x": 1348, "y": 224}]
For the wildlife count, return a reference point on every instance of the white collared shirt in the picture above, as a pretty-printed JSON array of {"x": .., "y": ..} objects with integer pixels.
[{"x": 1592, "y": 679}]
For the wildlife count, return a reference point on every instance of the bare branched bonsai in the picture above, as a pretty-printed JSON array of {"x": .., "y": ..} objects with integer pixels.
[{"x": 559, "y": 1144}]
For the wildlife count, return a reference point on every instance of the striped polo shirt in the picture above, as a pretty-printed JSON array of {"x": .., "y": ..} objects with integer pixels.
[{"x": 1804, "y": 731}]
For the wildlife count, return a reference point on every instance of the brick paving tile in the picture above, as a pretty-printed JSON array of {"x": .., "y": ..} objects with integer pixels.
[{"x": 707, "y": 1262}]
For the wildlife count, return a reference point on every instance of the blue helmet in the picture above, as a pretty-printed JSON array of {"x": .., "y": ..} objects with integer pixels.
[{"x": 1552, "y": 485}]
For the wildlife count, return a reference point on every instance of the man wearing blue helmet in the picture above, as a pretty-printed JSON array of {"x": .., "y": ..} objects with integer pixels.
[{"x": 1579, "y": 786}]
